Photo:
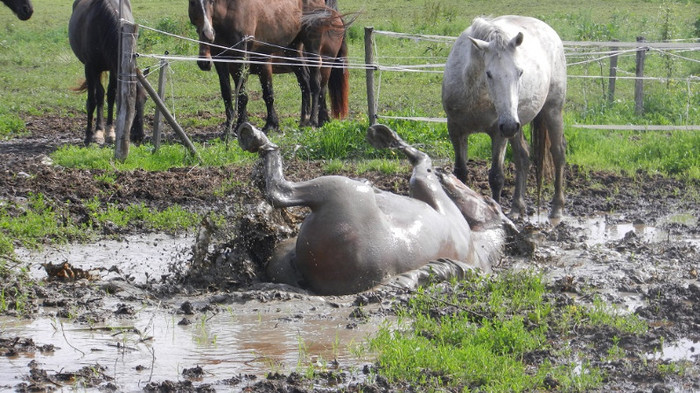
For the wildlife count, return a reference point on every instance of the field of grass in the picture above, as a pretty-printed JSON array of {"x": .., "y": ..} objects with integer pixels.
[{"x": 38, "y": 69}]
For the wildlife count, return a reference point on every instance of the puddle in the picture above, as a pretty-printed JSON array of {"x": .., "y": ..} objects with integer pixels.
[
  {"x": 241, "y": 340},
  {"x": 141, "y": 256},
  {"x": 680, "y": 350},
  {"x": 599, "y": 231}
]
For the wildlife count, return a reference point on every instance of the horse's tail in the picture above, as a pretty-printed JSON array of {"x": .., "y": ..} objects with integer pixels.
[
  {"x": 542, "y": 157},
  {"x": 83, "y": 86},
  {"x": 338, "y": 82}
]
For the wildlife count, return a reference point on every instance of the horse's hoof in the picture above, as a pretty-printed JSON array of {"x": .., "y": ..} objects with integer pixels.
[
  {"x": 253, "y": 140},
  {"x": 557, "y": 212},
  {"x": 111, "y": 136},
  {"x": 99, "y": 137},
  {"x": 382, "y": 137}
]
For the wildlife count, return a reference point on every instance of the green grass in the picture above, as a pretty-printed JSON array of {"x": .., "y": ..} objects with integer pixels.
[
  {"x": 476, "y": 335},
  {"x": 214, "y": 153},
  {"x": 39, "y": 221}
]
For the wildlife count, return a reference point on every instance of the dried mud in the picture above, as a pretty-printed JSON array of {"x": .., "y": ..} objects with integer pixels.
[{"x": 651, "y": 268}]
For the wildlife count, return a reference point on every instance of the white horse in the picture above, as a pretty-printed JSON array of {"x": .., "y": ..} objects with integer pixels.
[{"x": 503, "y": 73}]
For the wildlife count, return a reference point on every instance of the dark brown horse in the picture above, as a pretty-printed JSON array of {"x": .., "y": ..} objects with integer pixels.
[
  {"x": 22, "y": 8},
  {"x": 93, "y": 32},
  {"x": 233, "y": 26}
]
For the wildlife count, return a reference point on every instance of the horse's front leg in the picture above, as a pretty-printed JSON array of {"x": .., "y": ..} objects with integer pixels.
[
  {"x": 521, "y": 158},
  {"x": 222, "y": 70},
  {"x": 555, "y": 127},
  {"x": 111, "y": 97},
  {"x": 315, "y": 87},
  {"x": 239, "y": 80},
  {"x": 94, "y": 103},
  {"x": 498, "y": 152},
  {"x": 323, "y": 116},
  {"x": 265, "y": 76},
  {"x": 460, "y": 144}
]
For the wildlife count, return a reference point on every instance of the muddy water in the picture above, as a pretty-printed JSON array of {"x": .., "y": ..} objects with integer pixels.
[
  {"x": 157, "y": 343},
  {"x": 253, "y": 337}
]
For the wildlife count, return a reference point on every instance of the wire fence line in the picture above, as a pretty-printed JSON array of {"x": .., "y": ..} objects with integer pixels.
[{"x": 573, "y": 49}]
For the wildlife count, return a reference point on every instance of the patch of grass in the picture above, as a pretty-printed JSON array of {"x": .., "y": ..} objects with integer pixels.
[
  {"x": 172, "y": 219},
  {"x": 35, "y": 223},
  {"x": 214, "y": 153},
  {"x": 39, "y": 222},
  {"x": 475, "y": 335}
]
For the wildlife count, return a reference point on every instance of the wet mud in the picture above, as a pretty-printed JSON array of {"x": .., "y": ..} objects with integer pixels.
[{"x": 137, "y": 311}]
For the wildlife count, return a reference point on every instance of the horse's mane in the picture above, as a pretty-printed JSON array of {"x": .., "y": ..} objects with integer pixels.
[{"x": 483, "y": 29}]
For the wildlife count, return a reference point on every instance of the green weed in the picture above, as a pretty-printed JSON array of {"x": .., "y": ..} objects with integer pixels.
[{"x": 475, "y": 334}]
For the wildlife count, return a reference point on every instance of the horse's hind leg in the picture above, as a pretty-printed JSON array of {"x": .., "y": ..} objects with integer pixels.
[{"x": 424, "y": 184}]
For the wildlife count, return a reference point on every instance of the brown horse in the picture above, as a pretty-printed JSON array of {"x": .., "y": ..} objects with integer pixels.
[
  {"x": 229, "y": 26},
  {"x": 357, "y": 236},
  {"x": 93, "y": 32},
  {"x": 22, "y": 8}
]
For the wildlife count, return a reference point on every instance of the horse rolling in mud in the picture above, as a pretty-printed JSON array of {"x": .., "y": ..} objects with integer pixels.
[
  {"x": 275, "y": 26},
  {"x": 93, "y": 32},
  {"x": 22, "y": 8},
  {"x": 500, "y": 74},
  {"x": 357, "y": 236}
]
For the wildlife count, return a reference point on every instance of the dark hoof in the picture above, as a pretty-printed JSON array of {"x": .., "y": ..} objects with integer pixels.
[
  {"x": 382, "y": 137},
  {"x": 253, "y": 140}
]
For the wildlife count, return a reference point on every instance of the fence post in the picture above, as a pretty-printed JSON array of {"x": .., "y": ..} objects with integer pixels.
[
  {"x": 369, "y": 61},
  {"x": 126, "y": 95},
  {"x": 168, "y": 117},
  {"x": 639, "y": 81},
  {"x": 157, "y": 123},
  {"x": 613, "y": 73}
]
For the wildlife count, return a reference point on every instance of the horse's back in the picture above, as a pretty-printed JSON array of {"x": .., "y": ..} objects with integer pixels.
[{"x": 93, "y": 30}]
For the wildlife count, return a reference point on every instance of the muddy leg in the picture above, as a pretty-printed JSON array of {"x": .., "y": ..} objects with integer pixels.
[{"x": 424, "y": 185}]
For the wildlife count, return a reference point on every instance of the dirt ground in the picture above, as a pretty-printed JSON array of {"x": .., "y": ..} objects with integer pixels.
[{"x": 652, "y": 273}]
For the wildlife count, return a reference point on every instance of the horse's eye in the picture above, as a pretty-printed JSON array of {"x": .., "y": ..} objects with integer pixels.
[
  {"x": 520, "y": 73},
  {"x": 488, "y": 74}
]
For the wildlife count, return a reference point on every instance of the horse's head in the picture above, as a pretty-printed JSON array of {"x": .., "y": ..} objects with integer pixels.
[
  {"x": 22, "y": 8},
  {"x": 503, "y": 79},
  {"x": 200, "y": 12}
]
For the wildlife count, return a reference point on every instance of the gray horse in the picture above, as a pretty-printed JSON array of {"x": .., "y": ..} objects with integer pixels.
[
  {"x": 503, "y": 73},
  {"x": 357, "y": 236}
]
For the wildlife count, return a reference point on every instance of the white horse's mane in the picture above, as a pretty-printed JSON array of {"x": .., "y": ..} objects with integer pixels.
[{"x": 483, "y": 29}]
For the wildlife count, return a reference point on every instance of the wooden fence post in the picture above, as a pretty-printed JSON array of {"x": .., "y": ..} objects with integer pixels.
[
  {"x": 168, "y": 117},
  {"x": 639, "y": 82},
  {"x": 369, "y": 61},
  {"x": 613, "y": 74},
  {"x": 126, "y": 94},
  {"x": 157, "y": 123}
]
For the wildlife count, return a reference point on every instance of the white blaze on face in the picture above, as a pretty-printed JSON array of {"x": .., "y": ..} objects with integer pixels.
[{"x": 207, "y": 28}]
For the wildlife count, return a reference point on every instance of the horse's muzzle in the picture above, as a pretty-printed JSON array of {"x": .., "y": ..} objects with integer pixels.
[
  {"x": 509, "y": 128},
  {"x": 25, "y": 12},
  {"x": 204, "y": 65}
]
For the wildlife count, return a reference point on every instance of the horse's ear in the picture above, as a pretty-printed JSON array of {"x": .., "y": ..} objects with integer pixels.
[
  {"x": 515, "y": 42},
  {"x": 479, "y": 44}
]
